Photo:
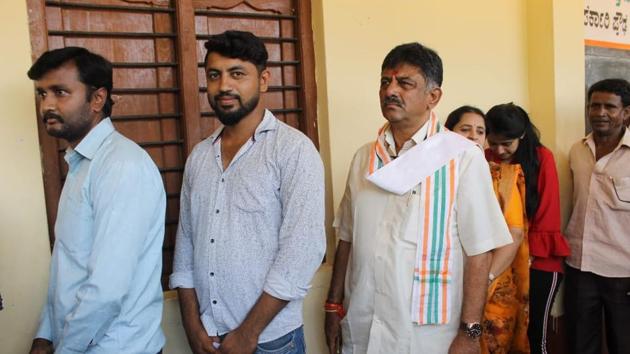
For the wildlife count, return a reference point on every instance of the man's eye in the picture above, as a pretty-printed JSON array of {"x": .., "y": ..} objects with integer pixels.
[
  {"x": 213, "y": 76},
  {"x": 61, "y": 92},
  {"x": 237, "y": 74},
  {"x": 384, "y": 82}
]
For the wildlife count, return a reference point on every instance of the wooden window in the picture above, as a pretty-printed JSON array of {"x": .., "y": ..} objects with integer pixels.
[{"x": 156, "y": 47}]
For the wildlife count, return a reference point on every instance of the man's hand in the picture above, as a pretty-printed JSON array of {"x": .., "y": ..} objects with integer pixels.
[
  {"x": 463, "y": 344},
  {"x": 201, "y": 343},
  {"x": 238, "y": 342},
  {"x": 332, "y": 328},
  {"x": 41, "y": 346}
]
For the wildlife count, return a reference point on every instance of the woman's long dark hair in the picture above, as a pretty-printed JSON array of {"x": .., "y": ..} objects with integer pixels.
[{"x": 512, "y": 122}]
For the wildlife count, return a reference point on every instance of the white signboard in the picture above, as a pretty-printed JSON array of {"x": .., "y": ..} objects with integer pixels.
[{"x": 606, "y": 23}]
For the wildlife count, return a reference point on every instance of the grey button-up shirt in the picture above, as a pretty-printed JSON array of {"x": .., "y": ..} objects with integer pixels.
[{"x": 256, "y": 226}]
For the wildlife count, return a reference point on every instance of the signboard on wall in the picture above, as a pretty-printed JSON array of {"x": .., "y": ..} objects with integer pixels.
[{"x": 606, "y": 23}]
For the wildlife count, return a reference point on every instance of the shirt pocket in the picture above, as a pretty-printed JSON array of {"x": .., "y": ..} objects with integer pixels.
[
  {"x": 73, "y": 228},
  {"x": 621, "y": 190},
  {"x": 255, "y": 192}
]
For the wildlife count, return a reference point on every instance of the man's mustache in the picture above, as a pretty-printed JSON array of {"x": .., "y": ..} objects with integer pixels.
[
  {"x": 392, "y": 100},
  {"x": 226, "y": 95},
  {"x": 51, "y": 115}
]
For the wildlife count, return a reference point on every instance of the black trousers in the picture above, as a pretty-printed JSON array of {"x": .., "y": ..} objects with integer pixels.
[
  {"x": 586, "y": 296},
  {"x": 543, "y": 287}
]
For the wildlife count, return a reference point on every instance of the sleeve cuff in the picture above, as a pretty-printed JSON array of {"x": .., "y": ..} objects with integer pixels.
[
  {"x": 278, "y": 287},
  {"x": 44, "y": 331},
  {"x": 181, "y": 280},
  {"x": 486, "y": 246},
  {"x": 548, "y": 244}
]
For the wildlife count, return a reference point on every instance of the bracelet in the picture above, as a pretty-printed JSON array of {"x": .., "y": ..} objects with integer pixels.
[
  {"x": 491, "y": 278},
  {"x": 336, "y": 308}
]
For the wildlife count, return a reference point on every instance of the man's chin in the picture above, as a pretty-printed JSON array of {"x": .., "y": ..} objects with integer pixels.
[{"x": 54, "y": 131}]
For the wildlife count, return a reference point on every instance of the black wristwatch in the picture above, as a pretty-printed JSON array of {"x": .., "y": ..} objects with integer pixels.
[{"x": 472, "y": 330}]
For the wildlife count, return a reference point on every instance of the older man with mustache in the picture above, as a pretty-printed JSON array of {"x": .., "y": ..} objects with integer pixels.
[
  {"x": 416, "y": 224},
  {"x": 598, "y": 269}
]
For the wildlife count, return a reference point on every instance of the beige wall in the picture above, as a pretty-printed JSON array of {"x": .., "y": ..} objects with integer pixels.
[
  {"x": 526, "y": 51},
  {"x": 24, "y": 250},
  {"x": 482, "y": 43}
]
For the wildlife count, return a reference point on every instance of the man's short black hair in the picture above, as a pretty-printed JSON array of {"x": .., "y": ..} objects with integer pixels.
[
  {"x": 424, "y": 58},
  {"x": 238, "y": 45},
  {"x": 619, "y": 87},
  {"x": 94, "y": 70}
]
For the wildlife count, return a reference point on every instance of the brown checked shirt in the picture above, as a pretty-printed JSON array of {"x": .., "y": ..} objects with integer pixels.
[{"x": 599, "y": 229}]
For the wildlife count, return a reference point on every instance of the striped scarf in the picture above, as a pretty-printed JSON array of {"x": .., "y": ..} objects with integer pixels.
[{"x": 431, "y": 290}]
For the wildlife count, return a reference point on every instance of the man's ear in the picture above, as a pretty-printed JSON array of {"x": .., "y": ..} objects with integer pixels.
[
  {"x": 99, "y": 97},
  {"x": 625, "y": 114},
  {"x": 264, "y": 80},
  {"x": 434, "y": 95}
]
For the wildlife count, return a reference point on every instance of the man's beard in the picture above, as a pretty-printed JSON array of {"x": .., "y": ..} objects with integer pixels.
[
  {"x": 233, "y": 117},
  {"x": 70, "y": 132}
]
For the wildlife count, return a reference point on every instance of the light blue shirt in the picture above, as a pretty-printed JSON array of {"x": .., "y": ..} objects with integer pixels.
[
  {"x": 104, "y": 293},
  {"x": 256, "y": 226}
]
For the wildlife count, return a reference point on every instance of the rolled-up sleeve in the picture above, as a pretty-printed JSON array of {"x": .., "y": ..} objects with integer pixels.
[
  {"x": 183, "y": 263},
  {"x": 302, "y": 240}
]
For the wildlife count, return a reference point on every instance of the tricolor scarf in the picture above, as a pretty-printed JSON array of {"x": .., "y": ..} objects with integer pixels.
[{"x": 431, "y": 290}]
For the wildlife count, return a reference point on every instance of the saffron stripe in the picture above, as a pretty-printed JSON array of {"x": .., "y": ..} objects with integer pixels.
[{"x": 372, "y": 158}]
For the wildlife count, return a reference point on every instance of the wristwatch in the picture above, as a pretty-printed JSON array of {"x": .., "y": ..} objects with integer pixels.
[{"x": 472, "y": 330}]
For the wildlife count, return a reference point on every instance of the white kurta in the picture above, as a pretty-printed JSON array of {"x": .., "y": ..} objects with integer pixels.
[{"x": 382, "y": 229}]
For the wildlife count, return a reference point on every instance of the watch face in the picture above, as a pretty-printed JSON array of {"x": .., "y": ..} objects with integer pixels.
[{"x": 473, "y": 330}]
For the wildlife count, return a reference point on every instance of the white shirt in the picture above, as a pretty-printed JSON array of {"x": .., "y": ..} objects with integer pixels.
[{"x": 380, "y": 225}]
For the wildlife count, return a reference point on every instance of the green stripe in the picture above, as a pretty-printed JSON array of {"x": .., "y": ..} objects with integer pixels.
[
  {"x": 440, "y": 250},
  {"x": 432, "y": 301}
]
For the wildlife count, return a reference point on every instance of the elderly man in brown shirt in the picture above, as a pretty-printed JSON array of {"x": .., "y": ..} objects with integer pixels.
[{"x": 598, "y": 271}]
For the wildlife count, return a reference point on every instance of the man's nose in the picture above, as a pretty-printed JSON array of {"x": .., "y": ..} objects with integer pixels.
[
  {"x": 47, "y": 103},
  {"x": 225, "y": 83},
  {"x": 391, "y": 89}
]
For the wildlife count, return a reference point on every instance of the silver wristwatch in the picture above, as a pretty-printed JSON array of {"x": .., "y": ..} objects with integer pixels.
[{"x": 472, "y": 330}]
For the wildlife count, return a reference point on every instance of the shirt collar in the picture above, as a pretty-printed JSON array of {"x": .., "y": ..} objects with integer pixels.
[
  {"x": 269, "y": 122},
  {"x": 625, "y": 140},
  {"x": 88, "y": 146},
  {"x": 417, "y": 138}
]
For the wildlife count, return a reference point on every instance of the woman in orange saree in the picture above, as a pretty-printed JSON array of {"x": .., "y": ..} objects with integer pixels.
[{"x": 505, "y": 317}]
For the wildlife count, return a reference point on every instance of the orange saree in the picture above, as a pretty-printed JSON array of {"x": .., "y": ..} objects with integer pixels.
[{"x": 507, "y": 307}]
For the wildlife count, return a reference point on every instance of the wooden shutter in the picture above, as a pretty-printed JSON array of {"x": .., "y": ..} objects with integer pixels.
[{"x": 156, "y": 47}]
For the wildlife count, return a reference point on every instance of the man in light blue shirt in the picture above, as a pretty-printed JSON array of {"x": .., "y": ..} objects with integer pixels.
[
  {"x": 251, "y": 227},
  {"x": 104, "y": 293}
]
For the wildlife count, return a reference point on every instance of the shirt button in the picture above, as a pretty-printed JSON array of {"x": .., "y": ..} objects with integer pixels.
[
  {"x": 211, "y": 240},
  {"x": 214, "y": 302},
  {"x": 216, "y": 211},
  {"x": 211, "y": 274},
  {"x": 222, "y": 179}
]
